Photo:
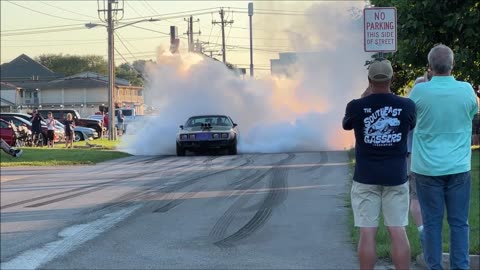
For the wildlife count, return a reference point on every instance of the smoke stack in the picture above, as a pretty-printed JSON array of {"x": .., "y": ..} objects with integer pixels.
[{"x": 174, "y": 40}]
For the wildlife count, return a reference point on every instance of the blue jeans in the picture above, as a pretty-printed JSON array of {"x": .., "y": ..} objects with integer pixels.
[{"x": 434, "y": 194}]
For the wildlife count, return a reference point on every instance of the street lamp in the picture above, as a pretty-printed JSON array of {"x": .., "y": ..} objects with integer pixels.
[{"x": 111, "y": 64}]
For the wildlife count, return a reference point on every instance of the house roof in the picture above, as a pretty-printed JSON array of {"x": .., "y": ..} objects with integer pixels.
[
  {"x": 76, "y": 83},
  {"x": 7, "y": 86},
  {"x": 23, "y": 67},
  {"x": 30, "y": 84},
  {"x": 82, "y": 82},
  {"x": 96, "y": 76}
]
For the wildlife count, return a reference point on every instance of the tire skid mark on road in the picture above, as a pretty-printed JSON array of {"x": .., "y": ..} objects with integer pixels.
[
  {"x": 277, "y": 194},
  {"x": 170, "y": 204},
  {"x": 242, "y": 184},
  {"x": 80, "y": 190},
  {"x": 183, "y": 184},
  {"x": 323, "y": 160},
  {"x": 147, "y": 190}
]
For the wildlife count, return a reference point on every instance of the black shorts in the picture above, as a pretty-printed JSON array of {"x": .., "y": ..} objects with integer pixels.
[
  {"x": 50, "y": 135},
  {"x": 68, "y": 133},
  {"x": 36, "y": 131}
]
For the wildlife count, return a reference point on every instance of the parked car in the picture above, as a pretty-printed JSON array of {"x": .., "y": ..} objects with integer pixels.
[
  {"x": 61, "y": 115},
  {"x": 81, "y": 133},
  {"x": 7, "y": 133},
  {"x": 18, "y": 121},
  {"x": 97, "y": 117},
  {"x": 207, "y": 132}
]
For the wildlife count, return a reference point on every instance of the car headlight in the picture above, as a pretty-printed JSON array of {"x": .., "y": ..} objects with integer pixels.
[
  {"x": 183, "y": 137},
  {"x": 224, "y": 135},
  {"x": 192, "y": 137},
  {"x": 216, "y": 135}
]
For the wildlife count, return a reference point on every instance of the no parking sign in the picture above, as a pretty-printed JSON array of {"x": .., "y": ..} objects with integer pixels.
[{"x": 380, "y": 29}]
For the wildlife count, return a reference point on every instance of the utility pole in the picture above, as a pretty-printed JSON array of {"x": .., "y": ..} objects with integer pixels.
[
  {"x": 250, "y": 14},
  {"x": 223, "y": 23},
  {"x": 108, "y": 16},
  {"x": 190, "y": 33}
]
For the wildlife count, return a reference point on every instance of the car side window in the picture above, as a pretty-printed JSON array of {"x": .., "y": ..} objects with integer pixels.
[
  {"x": 3, "y": 125},
  {"x": 57, "y": 114}
]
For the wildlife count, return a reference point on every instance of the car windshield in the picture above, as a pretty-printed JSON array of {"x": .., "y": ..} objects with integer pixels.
[
  {"x": 127, "y": 112},
  {"x": 212, "y": 120}
]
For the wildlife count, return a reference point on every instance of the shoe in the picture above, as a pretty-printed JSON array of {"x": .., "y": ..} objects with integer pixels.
[{"x": 18, "y": 153}]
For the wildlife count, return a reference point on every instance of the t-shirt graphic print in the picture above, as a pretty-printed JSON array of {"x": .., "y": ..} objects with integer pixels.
[{"x": 382, "y": 126}]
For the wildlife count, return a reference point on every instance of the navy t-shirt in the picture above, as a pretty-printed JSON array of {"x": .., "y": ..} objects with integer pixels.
[{"x": 381, "y": 123}]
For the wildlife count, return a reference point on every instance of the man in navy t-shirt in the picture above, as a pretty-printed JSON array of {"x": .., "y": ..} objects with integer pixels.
[{"x": 381, "y": 122}]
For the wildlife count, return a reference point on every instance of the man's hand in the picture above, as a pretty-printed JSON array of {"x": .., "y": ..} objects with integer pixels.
[{"x": 367, "y": 92}]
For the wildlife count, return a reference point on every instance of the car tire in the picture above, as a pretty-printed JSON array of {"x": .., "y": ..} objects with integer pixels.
[
  {"x": 180, "y": 151},
  {"x": 232, "y": 150},
  {"x": 78, "y": 137}
]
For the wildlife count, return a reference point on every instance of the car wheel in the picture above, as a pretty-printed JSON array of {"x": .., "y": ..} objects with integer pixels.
[
  {"x": 78, "y": 136},
  {"x": 180, "y": 151},
  {"x": 232, "y": 150}
]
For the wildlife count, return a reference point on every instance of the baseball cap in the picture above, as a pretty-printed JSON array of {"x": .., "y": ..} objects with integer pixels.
[{"x": 380, "y": 71}]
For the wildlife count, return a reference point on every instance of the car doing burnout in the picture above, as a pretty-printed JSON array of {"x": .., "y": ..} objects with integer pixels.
[{"x": 207, "y": 132}]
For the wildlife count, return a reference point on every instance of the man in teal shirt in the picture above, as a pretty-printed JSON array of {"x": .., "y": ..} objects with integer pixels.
[{"x": 441, "y": 157}]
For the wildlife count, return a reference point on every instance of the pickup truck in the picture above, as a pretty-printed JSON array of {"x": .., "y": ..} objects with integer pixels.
[{"x": 61, "y": 115}]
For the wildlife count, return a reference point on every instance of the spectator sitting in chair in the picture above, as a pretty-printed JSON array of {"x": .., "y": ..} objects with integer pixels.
[{"x": 10, "y": 150}]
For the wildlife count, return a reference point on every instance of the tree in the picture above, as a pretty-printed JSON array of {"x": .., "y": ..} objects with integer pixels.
[
  {"x": 127, "y": 72},
  {"x": 73, "y": 64},
  {"x": 422, "y": 24}
]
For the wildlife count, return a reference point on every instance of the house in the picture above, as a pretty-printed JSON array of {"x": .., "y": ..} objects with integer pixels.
[
  {"x": 37, "y": 86},
  {"x": 87, "y": 91},
  {"x": 9, "y": 95},
  {"x": 27, "y": 76}
]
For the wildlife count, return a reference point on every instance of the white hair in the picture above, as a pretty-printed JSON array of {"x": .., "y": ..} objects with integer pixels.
[{"x": 440, "y": 59}]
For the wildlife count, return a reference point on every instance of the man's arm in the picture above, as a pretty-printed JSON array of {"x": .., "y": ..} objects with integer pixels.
[
  {"x": 347, "y": 122},
  {"x": 367, "y": 92}
]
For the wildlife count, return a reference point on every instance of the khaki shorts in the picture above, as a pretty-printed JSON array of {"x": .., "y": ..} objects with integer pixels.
[{"x": 369, "y": 200}]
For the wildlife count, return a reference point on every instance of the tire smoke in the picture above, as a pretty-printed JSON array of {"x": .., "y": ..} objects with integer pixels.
[{"x": 299, "y": 112}]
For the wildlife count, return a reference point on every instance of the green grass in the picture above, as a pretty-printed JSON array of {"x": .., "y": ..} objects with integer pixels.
[
  {"x": 383, "y": 240},
  {"x": 80, "y": 155}
]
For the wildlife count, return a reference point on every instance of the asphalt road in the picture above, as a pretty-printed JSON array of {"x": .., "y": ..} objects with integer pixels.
[{"x": 258, "y": 211}]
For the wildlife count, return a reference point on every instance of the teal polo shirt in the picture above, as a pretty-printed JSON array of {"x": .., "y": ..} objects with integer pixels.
[{"x": 442, "y": 137}]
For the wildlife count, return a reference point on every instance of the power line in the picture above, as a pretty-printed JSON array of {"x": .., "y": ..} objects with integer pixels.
[
  {"x": 41, "y": 28},
  {"x": 46, "y": 14},
  {"x": 125, "y": 46},
  {"x": 73, "y": 12},
  {"x": 134, "y": 39},
  {"x": 132, "y": 8},
  {"x": 176, "y": 14},
  {"x": 43, "y": 31}
]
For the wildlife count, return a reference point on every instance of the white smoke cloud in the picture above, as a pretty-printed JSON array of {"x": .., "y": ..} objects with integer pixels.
[{"x": 274, "y": 114}]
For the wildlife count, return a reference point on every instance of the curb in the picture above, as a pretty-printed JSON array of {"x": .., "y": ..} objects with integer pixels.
[{"x": 474, "y": 261}]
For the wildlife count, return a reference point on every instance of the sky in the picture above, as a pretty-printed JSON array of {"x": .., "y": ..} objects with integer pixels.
[
  {"x": 275, "y": 113},
  {"x": 46, "y": 27}
]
